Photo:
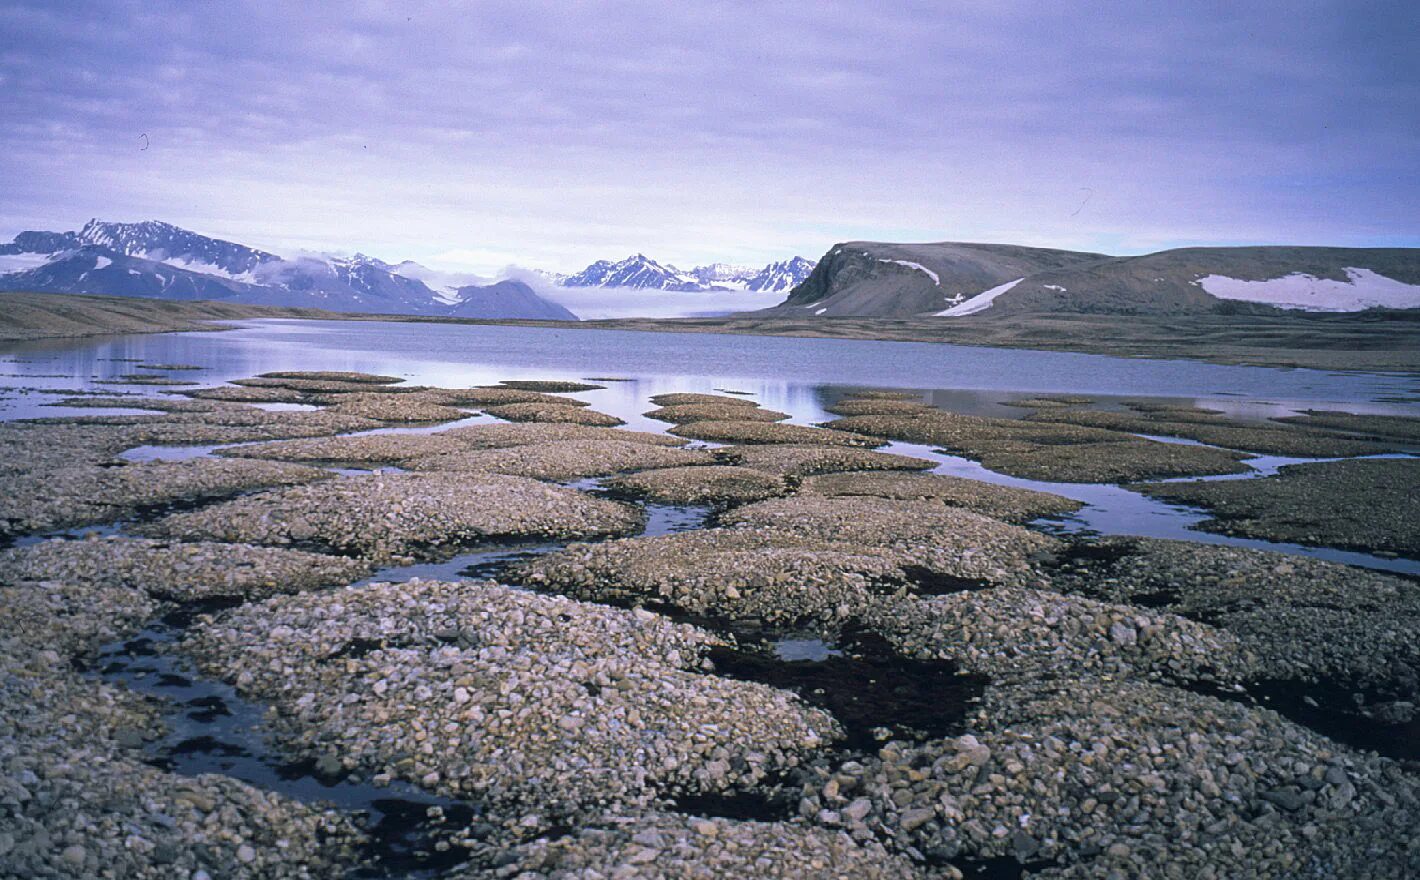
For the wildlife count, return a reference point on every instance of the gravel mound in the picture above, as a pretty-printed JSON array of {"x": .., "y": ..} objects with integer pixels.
[
  {"x": 551, "y": 385},
  {"x": 395, "y": 408},
  {"x": 711, "y": 484},
  {"x": 943, "y": 540},
  {"x": 386, "y": 516},
  {"x": 246, "y": 394},
  {"x": 803, "y": 461},
  {"x": 364, "y": 450},
  {"x": 686, "y": 848},
  {"x": 88, "y": 494},
  {"x": 1128, "y": 779},
  {"x": 334, "y": 376},
  {"x": 1276, "y": 440},
  {"x": 1041, "y": 450},
  {"x": 764, "y": 432},
  {"x": 1303, "y": 618},
  {"x": 563, "y": 459},
  {"x": 1364, "y": 505},
  {"x": 538, "y": 707},
  {"x": 999, "y": 502},
  {"x": 359, "y": 450},
  {"x": 687, "y": 398},
  {"x": 713, "y": 412},
  {"x": 326, "y": 386},
  {"x": 1017, "y": 634},
  {"x": 495, "y": 436},
  {"x": 552, "y": 412},
  {"x": 75, "y": 618},
  {"x": 74, "y": 802},
  {"x": 729, "y": 573},
  {"x": 175, "y": 571},
  {"x": 876, "y": 407},
  {"x": 1400, "y": 428},
  {"x": 495, "y": 397}
]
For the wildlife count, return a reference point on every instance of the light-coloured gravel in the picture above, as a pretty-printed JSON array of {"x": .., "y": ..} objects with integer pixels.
[
  {"x": 803, "y": 461},
  {"x": 394, "y": 408},
  {"x": 398, "y": 449},
  {"x": 876, "y": 407},
  {"x": 1304, "y": 619},
  {"x": 708, "y": 484},
  {"x": 737, "y": 574},
  {"x": 334, "y": 376},
  {"x": 1017, "y": 634},
  {"x": 553, "y": 412},
  {"x": 1041, "y": 450},
  {"x": 768, "y": 432},
  {"x": 944, "y": 540},
  {"x": 999, "y": 502},
  {"x": 563, "y": 459},
  {"x": 75, "y": 801},
  {"x": 1120, "y": 779},
  {"x": 176, "y": 571},
  {"x": 554, "y": 386},
  {"x": 689, "y": 398},
  {"x": 690, "y": 848},
  {"x": 388, "y": 516},
  {"x": 87, "y": 494},
  {"x": 538, "y": 707},
  {"x": 713, "y": 412},
  {"x": 1367, "y": 504}
]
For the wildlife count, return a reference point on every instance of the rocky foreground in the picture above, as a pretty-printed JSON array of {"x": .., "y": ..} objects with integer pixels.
[{"x": 855, "y": 669}]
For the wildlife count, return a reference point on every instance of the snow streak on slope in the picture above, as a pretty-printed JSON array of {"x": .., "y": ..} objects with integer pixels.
[
  {"x": 978, "y": 303},
  {"x": 918, "y": 266},
  {"x": 1362, "y": 289}
]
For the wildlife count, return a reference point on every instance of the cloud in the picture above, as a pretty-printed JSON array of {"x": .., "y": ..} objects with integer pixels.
[{"x": 552, "y": 134}]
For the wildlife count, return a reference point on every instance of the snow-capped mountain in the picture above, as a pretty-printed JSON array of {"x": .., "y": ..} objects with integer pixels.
[
  {"x": 642, "y": 272},
  {"x": 153, "y": 259},
  {"x": 781, "y": 276},
  {"x": 634, "y": 271},
  {"x": 165, "y": 243}
]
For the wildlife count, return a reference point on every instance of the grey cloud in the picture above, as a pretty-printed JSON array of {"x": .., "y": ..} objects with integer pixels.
[{"x": 716, "y": 130}]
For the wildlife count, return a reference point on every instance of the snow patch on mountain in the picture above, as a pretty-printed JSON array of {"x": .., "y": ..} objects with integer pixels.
[
  {"x": 918, "y": 266},
  {"x": 1362, "y": 289},
  {"x": 978, "y": 303}
]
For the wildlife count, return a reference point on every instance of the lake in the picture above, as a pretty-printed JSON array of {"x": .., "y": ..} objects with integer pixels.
[{"x": 796, "y": 375}]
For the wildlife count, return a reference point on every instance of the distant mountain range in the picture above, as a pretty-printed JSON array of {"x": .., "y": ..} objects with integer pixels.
[
  {"x": 640, "y": 271},
  {"x": 159, "y": 260},
  {"x": 955, "y": 279}
]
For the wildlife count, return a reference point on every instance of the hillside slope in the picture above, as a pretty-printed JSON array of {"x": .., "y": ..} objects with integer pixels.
[
  {"x": 953, "y": 279},
  {"x": 53, "y": 315},
  {"x": 875, "y": 278},
  {"x": 507, "y": 299},
  {"x": 1226, "y": 280}
]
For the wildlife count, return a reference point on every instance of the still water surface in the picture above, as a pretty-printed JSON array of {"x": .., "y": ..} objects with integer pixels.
[{"x": 797, "y": 376}]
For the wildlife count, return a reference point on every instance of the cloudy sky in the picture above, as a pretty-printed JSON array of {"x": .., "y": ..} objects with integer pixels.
[{"x": 552, "y": 134}]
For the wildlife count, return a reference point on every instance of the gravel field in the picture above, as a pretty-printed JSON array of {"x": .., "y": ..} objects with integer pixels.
[{"x": 817, "y": 662}]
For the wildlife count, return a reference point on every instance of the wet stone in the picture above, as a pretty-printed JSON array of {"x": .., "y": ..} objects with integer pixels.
[{"x": 540, "y": 704}]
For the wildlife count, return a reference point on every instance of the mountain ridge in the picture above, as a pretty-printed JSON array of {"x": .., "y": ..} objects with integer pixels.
[{"x": 956, "y": 279}]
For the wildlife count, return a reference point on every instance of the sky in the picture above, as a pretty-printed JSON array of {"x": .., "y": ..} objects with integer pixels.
[{"x": 547, "y": 135}]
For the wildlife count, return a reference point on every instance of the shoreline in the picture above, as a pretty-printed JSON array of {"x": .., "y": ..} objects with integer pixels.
[{"x": 1380, "y": 342}]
